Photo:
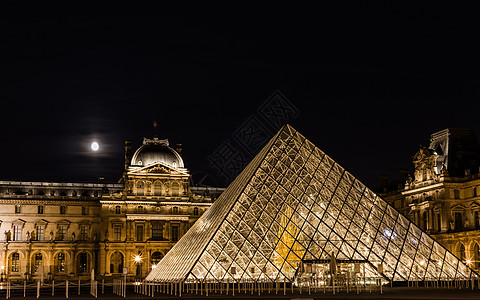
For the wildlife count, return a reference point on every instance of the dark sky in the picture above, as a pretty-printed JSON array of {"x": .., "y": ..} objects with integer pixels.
[{"x": 370, "y": 83}]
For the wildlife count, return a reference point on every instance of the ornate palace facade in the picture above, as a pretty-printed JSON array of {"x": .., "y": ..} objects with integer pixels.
[
  {"x": 64, "y": 230},
  {"x": 443, "y": 196}
]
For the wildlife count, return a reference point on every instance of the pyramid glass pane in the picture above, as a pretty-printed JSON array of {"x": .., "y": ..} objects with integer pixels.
[{"x": 293, "y": 203}]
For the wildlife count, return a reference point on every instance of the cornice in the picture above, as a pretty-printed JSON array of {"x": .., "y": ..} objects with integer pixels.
[{"x": 48, "y": 201}]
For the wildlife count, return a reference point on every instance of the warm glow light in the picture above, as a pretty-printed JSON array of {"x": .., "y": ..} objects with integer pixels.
[
  {"x": 95, "y": 146},
  {"x": 138, "y": 258},
  {"x": 2, "y": 267},
  {"x": 154, "y": 266},
  {"x": 469, "y": 261}
]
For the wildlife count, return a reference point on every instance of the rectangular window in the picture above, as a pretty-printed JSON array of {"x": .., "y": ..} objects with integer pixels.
[
  {"x": 157, "y": 231},
  {"x": 174, "y": 233},
  {"x": 17, "y": 233},
  {"x": 117, "y": 232},
  {"x": 477, "y": 219},
  {"x": 439, "y": 222},
  {"x": 83, "y": 232},
  {"x": 84, "y": 210},
  {"x": 40, "y": 210},
  {"x": 40, "y": 231},
  {"x": 18, "y": 209},
  {"x": 458, "y": 221},
  {"x": 139, "y": 233},
  {"x": 63, "y": 210},
  {"x": 62, "y": 232}
]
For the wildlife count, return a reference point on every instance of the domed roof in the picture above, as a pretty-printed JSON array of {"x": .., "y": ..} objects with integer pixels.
[{"x": 155, "y": 150}]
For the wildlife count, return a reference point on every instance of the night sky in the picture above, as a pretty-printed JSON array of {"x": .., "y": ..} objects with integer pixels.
[{"x": 370, "y": 83}]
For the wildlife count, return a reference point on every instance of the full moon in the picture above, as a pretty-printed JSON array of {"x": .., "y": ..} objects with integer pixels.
[{"x": 94, "y": 146}]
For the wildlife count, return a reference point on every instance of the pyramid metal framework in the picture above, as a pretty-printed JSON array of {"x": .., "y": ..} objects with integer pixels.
[{"x": 293, "y": 203}]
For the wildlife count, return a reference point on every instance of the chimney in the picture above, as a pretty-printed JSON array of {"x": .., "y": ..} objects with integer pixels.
[
  {"x": 178, "y": 148},
  {"x": 128, "y": 153}
]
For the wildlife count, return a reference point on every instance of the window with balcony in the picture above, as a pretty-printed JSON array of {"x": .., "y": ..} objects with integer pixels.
[
  {"x": 62, "y": 232},
  {"x": 17, "y": 232},
  {"x": 40, "y": 232},
  {"x": 83, "y": 232}
]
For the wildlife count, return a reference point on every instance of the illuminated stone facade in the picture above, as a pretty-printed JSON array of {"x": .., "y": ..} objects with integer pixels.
[
  {"x": 443, "y": 196},
  {"x": 64, "y": 230}
]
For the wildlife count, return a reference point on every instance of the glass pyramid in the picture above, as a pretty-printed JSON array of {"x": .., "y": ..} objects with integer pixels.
[{"x": 294, "y": 203}]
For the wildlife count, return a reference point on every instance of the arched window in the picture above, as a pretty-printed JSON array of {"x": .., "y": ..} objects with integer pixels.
[
  {"x": 82, "y": 262},
  {"x": 117, "y": 210},
  {"x": 15, "y": 262},
  {"x": 60, "y": 263},
  {"x": 140, "y": 188},
  {"x": 456, "y": 194},
  {"x": 157, "y": 188},
  {"x": 140, "y": 209},
  {"x": 476, "y": 256},
  {"x": 175, "y": 210},
  {"x": 175, "y": 189},
  {"x": 38, "y": 261},
  {"x": 155, "y": 258},
  {"x": 116, "y": 262},
  {"x": 195, "y": 211}
]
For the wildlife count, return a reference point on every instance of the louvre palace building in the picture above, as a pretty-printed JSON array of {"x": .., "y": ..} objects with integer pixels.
[
  {"x": 443, "y": 195},
  {"x": 59, "y": 231}
]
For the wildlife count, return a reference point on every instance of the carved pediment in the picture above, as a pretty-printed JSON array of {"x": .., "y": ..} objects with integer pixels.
[
  {"x": 158, "y": 168},
  {"x": 474, "y": 206},
  {"x": 41, "y": 222}
]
